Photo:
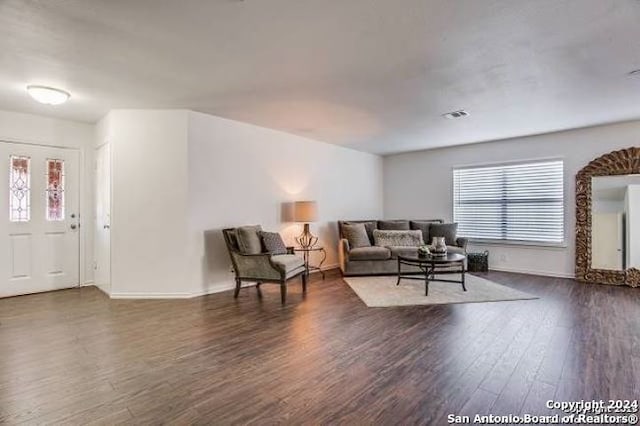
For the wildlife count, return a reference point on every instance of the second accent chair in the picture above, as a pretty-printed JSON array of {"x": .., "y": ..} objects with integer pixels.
[{"x": 254, "y": 264}]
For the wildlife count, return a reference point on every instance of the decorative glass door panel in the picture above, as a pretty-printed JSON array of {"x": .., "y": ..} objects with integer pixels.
[
  {"x": 55, "y": 190},
  {"x": 19, "y": 189}
]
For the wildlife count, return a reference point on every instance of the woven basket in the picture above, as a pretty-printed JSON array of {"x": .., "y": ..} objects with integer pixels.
[{"x": 478, "y": 262}]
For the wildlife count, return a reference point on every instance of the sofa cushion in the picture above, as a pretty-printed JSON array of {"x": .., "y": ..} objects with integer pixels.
[
  {"x": 369, "y": 253},
  {"x": 446, "y": 230},
  {"x": 272, "y": 242},
  {"x": 404, "y": 251},
  {"x": 369, "y": 225},
  {"x": 398, "y": 238},
  {"x": 248, "y": 239},
  {"x": 356, "y": 234},
  {"x": 423, "y": 225},
  {"x": 288, "y": 262},
  {"x": 393, "y": 225}
]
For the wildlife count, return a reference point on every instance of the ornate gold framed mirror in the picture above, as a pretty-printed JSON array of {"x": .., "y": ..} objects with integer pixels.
[{"x": 608, "y": 219}]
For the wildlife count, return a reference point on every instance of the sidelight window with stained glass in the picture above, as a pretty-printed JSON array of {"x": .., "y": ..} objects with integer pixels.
[
  {"x": 55, "y": 190},
  {"x": 19, "y": 189}
]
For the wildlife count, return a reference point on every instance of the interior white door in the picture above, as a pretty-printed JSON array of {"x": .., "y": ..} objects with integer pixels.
[
  {"x": 607, "y": 241},
  {"x": 39, "y": 218},
  {"x": 103, "y": 218}
]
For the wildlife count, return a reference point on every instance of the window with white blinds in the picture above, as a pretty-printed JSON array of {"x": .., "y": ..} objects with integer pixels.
[{"x": 518, "y": 202}]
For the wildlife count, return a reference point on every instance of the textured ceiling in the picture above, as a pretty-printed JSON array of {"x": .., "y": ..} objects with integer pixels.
[{"x": 374, "y": 75}]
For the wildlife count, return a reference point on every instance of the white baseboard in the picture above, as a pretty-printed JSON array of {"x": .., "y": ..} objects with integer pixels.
[
  {"x": 211, "y": 289},
  {"x": 218, "y": 288},
  {"x": 329, "y": 267},
  {"x": 106, "y": 293},
  {"x": 145, "y": 295},
  {"x": 87, "y": 283},
  {"x": 532, "y": 272},
  {"x": 230, "y": 285}
]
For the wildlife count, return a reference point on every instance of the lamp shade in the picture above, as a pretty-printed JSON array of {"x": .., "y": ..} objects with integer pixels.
[{"x": 305, "y": 211}]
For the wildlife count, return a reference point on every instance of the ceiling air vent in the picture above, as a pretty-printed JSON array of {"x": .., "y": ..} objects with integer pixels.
[{"x": 456, "y": 114}]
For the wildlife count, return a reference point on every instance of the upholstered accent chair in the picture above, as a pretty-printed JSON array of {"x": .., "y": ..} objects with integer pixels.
[{"x": 253, "y": 265}]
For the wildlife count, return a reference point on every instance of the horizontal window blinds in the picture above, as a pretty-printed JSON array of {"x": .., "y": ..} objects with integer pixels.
[{"x": 521, "y": 202}]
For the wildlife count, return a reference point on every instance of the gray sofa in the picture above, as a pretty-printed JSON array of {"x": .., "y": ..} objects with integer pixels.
[{"x": 375, "y": 260}]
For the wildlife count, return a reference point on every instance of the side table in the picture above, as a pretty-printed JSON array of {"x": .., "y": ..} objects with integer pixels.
[{"x": 306, "y": 252}]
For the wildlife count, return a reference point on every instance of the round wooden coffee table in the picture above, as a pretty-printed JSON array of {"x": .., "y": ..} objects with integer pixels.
[{"x": 432, "y": 265}]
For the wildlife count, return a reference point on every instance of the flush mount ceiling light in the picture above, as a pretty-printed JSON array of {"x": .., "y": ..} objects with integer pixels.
[
  {"x": 635, "y": 73},
  {"x": 456, "y": 114},
  {"x": 48, "y": 95}
]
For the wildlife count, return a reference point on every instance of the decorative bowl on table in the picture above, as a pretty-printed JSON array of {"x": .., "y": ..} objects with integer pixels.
[{"x": 424, "y": 251}]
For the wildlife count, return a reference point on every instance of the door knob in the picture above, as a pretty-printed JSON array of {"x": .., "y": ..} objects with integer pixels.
[
  {"x": 74, "y": 226},
  {"x": 106, "y": 227}
]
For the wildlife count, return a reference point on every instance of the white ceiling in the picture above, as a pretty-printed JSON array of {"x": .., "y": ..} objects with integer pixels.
[{"x": 374, "y": 75}]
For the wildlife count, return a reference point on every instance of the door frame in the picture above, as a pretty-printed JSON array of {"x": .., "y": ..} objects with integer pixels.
[
  {"x": 81, "y": 199},
  {"x": 104, "y": 145}
]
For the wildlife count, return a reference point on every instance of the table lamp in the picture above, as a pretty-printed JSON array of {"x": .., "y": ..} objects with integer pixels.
[{"x": 305, "y": 212}]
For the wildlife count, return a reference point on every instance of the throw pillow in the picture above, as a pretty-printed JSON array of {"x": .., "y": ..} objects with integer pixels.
[
  {"x": 248, "y": 239},
  {"x": 356, "y": 234},
  {"x": 447, "y": 230},
  {"x": 393, "y": 225},
  {"x": 398, "y": 238},
  {"x": 368, "y": 225},
  {"x": 273, "y": 243},
  {"x": 423, "y": 225}
]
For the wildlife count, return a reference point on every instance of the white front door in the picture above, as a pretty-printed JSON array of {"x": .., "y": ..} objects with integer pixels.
[{"x": 39, "y": 218}]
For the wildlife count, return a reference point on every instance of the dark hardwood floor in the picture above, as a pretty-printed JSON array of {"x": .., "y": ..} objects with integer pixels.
[{"x": 76, "y": 357}]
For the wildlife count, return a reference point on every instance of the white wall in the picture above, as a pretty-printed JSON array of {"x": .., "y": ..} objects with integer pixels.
[
  {"x": 149, "y": 203},
  {"x": 241, "y": 174},
  {"x": 33, "y": 129},
  {"x": 632, "y": 201},
  {"x": 179, "y": 178},
  {"x": 419, "y": 184},
  {"x": 607, "y": 206}
]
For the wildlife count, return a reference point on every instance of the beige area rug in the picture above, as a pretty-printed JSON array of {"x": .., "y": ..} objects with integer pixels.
[{"x": 383, "y": 292}]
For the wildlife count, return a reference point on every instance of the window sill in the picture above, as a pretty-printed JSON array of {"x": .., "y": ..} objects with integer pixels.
[{"x": 524, "y": 244}]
